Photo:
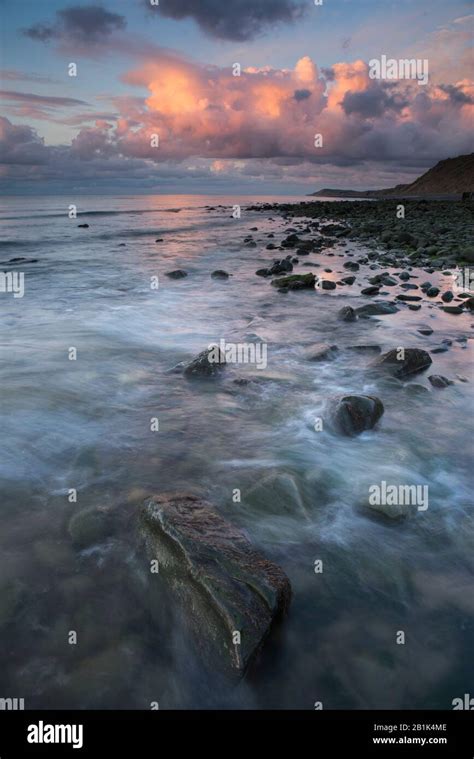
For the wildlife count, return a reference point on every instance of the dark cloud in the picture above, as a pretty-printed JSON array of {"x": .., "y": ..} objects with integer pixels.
[
  {"x": 236, "y": 20},
  {"x": 302, "y": 94},
  {"x": 86, "y": 25},
  {"x": 328, "y": 73},
  {"x": 27, "y": 97},
  {"x": 456, "y": 95},
  {"x": 372, "y": 102},
  {"x": 13, "y": 75}
]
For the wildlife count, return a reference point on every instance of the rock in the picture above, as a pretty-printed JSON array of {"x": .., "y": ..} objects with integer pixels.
[
  {"x": 326, "y": 284},
  {"x": 279, "y": 267},
  {"x": 408, "y": 298},
  {"x": 353, "y": 414},
  {"x": 448, "y": 296},
  {"x": 347, "y": 314},
  {"x": 404, "y": 276},
  {"x": 278, "y": 494},
  {"x": 453, "y": 309},
  {"x": 469, "y": 303},
  {"x": 177, "y": 274},
  {"x": 208, "y": 363},
  {"x": 432, "y": 292},
  {"x": 377, "y": 309},
  {"x": 263, "y": 272},
  {"x": 222, "y": 583},
  {"x": 437, "y": 380},
  {"x": 296, "y": 281},
  {"x": 403, "y": 362},
  {"x": 348, "y": 280},
  {"x": 219, "y": 274},
  {"x": 352, "y": 265},
  {"x": 372, "y": 290},
  {"x": 425, "y": 331},
  {"x": 88, "y": 527},
  {"x": 159, "y": 239},
  {"x": 83, "y": 226},
  {"x": 320, "y": 352},
  {"x": 414, "y": 306}
]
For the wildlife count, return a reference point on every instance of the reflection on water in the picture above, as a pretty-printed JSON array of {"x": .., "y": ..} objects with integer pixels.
[{"x": 85, "y": 425}]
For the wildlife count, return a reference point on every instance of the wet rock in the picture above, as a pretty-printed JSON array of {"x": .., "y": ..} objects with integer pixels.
[
  {"x": 208, "y": 363},
  {"x": 432, "y": 292},
  {"x": 220, "y": 274},
  {"x": 320, "y": 352},
  {"x": 326, "y": 284},
  {"x": 408, "y": 298},
  {"x": 351, "y": 265},
  {"x": 177, "y": 274},
  {"x": 372, "y": 290},
  {"x": 425, "y": 331},
  {"x": 220, "y": 580},
  {"x": 88, "y": 527},
  {"x": 280, "y": 267},
  {"x": 448, "y": 296},
  {"x": 263, "y": 272},
  {"x": 348, "y": 280},
  {"x": 438, "y": 381},
  {"x": 377, "y": 309},
  {"x": 296, "y": 282},
  {"x": 452, "y": 309},
  {"x": 278, "y": 494},
  {"x": 403, "y": 362},
  {"x": 404, "y": 276},
  {"x": 353, "y": 414},
  {"x": 347, "y": 314}
]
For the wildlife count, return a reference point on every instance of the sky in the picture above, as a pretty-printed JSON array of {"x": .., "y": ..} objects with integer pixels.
[{"x": 229, "y": 96}]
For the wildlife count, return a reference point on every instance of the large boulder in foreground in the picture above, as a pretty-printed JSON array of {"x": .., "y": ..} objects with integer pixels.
[
  {"x": 403, "y": 362},
  {"x": 353, "y": 414},
  {"x": 208, "y": 363},
  {"x": 224, "y": 585}
]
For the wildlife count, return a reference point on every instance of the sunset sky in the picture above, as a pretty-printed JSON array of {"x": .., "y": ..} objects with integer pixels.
[{"x": 167, "y": 71}]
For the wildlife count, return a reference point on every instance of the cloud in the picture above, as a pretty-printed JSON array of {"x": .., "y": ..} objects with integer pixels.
[
  {"x": 262, "y": 123},
  {"x": 85, "y": 26},
  {"x": 46, "y": 100},
  {"x": 236, "y": 20},
  {"x": 13, "y": 75}
]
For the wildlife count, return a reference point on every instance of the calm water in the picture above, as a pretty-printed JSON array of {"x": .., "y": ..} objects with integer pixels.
[{"x": 85, "y": 424}]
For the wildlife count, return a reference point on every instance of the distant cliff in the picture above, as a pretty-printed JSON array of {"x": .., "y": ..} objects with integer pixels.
[{"x": 450, "y": 177}]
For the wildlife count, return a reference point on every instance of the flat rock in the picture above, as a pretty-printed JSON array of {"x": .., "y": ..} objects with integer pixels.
[
  {"x": 403, "y": 362},
  {"x": 320, "y": 352},
  {"x": 438, "y": 381},
  {"x": 177, "y": 274},
  {"x": 222, "y": 583},
  {"x": 296, "y": 281},
  {"x": 377, "y": 309}
]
